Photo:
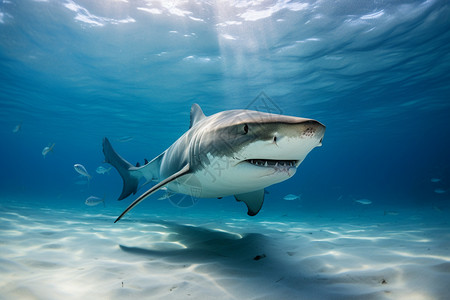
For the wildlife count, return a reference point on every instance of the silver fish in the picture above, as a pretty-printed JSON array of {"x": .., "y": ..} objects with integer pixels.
[
  {"x": 291, "y": 197},
  {"x": 364, "y": 201},
  {"x": 102, "y": 170},
  {"x": 125, "y": 139},
  {"x": 390, "y": 213},
  {"x": 47, "y": 149},
  {"x": 93, "y": 201},
  {"x": 81, "y": 170},
  {"x": 17, "y": 128}
]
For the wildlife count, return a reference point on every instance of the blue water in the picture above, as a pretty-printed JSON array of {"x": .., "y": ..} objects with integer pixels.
[{"x": 376, "y": 73}]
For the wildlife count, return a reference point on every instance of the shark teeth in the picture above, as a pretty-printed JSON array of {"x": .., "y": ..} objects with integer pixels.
[{"x": 272, "y": 163}]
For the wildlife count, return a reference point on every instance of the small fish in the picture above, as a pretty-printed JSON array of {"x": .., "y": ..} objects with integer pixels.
[
  {"x": 124, "y": 139},
  {"x": 439, "y": 191},
  {"x": 47, "y": 149},
  {"x": 364, "y": 201},
  {"x": 291, "y": 197},
  {"x": 435, "y": 180},
  {"x": 102, "y": 170},
  {"x": 390, "y": 213},
  {"x": 93, "y": 201},
  {"x": 81, "y": 170},
  {"x": 17, "y": 128}
]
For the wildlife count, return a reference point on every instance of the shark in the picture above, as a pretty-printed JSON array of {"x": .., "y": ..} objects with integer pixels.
[{"x": 231, "y": 153}]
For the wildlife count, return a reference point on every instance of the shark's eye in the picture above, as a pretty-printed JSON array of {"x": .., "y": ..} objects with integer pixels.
[{"x": 245, "y": 129}]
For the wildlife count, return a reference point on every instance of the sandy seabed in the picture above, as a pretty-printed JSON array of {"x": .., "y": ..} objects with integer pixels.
[{"x": 65, "y": 254}]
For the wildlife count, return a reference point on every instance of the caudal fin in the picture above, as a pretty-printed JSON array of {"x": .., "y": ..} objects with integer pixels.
[{"x": 126, "y": 170}]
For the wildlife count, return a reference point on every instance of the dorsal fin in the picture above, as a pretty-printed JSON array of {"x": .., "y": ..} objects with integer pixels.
[{"x": 196, "y": 114}]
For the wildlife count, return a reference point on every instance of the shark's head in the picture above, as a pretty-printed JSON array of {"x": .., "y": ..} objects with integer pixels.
[{"x": 262, "y": 148}]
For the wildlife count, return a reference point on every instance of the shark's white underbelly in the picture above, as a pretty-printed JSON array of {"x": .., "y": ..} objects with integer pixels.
[{"x": 220, "y": 179}]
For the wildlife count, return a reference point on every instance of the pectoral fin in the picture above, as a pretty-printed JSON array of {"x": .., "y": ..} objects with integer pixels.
[
  {"x": 254, "y": 201},
  {"x": 156, "y": 187}
]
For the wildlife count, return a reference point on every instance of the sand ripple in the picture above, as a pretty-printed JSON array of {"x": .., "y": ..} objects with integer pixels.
[{"x": 62, "y": 254}]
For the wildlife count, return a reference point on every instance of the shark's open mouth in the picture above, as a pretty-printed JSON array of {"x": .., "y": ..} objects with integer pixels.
[{"x": 272, "y": 163}]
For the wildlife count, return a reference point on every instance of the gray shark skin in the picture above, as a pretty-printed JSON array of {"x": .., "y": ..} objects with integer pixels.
[{"x": 235, "y": 152}]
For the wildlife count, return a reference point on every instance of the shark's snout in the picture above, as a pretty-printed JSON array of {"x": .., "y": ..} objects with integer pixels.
[
  {"x": 313, "y": 129},
  {"x": 285, "y": 147}
]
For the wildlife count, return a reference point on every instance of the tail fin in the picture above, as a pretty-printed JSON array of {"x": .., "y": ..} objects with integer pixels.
[{"x": 126, "y": 170}]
